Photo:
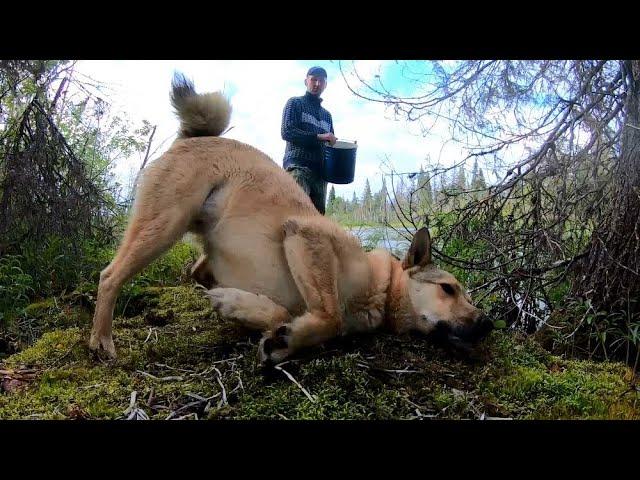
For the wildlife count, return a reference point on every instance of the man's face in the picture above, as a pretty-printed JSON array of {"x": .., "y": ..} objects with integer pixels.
[{"x": 315, "y": 84}]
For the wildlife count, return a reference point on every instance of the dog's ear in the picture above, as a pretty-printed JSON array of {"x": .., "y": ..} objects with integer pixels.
[{"x": 420, "y": 250}]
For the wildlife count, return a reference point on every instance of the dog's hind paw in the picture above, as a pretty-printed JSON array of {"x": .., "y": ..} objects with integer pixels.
[
  {"x": 274, "y": 347},
  {"x": 102, "y": 347}
]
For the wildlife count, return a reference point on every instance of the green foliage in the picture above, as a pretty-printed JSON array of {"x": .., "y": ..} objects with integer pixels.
[
  {"x": 61, "y": 269},
  {"x": 57, "y": 125},
  {"x": 168, "y": 270},
  {"x": 578, "y": 329},
  {"x": 331, "y": 201},
  {"x": 477, "y": 177},
  {"x": 373, "y": 239},
  {"x": 16, "y": 287}
]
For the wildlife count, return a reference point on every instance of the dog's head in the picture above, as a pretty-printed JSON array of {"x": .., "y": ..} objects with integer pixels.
[{"x": 435, "y": 301}]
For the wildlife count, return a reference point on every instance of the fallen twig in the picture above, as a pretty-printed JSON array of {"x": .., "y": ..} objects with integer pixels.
[
  {"x": 196, "y": 396},
  {"x": 138, "y": 414},
  {"x": 227, "y": 359},
  {"x": 203, "y": 373},
  {"x": 151, "y": 399},
  {"x": 309, "y": 396},
  {"x": 132, "y": 402},
  {"x": 193, "y": 404},
  {"x": 86, "y": 387},
  {"x": 148, "y": 336},
  {"x": 164, "y": 365},
  {"x": 404, "y": 370},
  {"x": 187, "y": 416},
  {"x": 161, "y": 379},
  {"x": 133, "y": 412},
  {"x": 223, "y": 400},
  {"x": 419, "y": 413},
  {"x": 486, "y": 417}
]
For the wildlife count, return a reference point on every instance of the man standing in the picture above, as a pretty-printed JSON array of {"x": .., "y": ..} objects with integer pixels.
[{"x": 306, "y": 126}]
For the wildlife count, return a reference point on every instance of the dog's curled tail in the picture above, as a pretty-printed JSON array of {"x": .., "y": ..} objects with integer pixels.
[{"x": 201, "y": 115}]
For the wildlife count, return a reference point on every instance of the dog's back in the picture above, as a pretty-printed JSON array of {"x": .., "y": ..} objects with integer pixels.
[{"x": 203, "y": 118}]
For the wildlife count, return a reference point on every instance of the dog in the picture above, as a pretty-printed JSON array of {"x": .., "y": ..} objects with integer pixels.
[{"x": 271, "y": 261}]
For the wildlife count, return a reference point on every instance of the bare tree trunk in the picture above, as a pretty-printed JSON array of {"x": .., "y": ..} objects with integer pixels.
[
  {"x": 146, "y": 156},
  {"x": 144, "y": 162},
  {"x": 611, "y": 277}
]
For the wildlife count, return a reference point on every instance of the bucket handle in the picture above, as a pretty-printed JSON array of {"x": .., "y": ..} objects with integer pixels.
[{"x": 341, "y": 140}]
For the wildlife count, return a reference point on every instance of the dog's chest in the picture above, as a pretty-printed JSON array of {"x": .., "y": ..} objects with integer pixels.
[{"x": 362, "y": 320}]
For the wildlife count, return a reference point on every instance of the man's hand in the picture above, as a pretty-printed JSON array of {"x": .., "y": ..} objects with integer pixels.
[{"x": 327, "y": 137}]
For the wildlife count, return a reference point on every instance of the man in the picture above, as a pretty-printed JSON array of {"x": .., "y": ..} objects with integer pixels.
[{"x": 306, "y": 126}]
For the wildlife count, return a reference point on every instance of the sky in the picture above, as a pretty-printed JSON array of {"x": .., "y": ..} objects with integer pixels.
[{"x": 258, "y": 91}]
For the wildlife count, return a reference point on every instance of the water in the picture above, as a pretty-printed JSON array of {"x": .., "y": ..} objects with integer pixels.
[{"x": 381, "y": 237}]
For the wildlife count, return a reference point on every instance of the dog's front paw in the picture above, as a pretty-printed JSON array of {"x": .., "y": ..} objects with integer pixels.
[
  {"x": 275, "y": 347},
  {"x": 226, "y": 302}
]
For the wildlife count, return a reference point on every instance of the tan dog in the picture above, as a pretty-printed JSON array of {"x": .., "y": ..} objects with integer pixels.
[{"x": 275, "y": 263}]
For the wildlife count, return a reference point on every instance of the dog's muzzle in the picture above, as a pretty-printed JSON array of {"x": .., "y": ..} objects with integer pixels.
[{"x": 461, "y": 337}]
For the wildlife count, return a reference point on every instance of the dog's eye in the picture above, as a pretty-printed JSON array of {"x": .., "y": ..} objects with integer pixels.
[{"x": 448, "y": 289}]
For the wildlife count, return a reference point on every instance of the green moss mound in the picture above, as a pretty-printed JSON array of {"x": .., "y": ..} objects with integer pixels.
[{"x": 177, "y": 360}]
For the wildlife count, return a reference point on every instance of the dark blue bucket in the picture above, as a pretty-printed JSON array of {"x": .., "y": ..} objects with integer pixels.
[{"x": 339, "y": 164}]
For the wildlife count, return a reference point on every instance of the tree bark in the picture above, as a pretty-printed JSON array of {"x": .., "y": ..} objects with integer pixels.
[{"x": 611, "y": 278}]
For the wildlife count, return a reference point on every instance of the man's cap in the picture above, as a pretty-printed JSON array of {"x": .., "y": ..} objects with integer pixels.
[{"x": 317, "y": 71}]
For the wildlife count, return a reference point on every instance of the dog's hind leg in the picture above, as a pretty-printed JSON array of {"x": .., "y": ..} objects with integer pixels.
[
  {"x": 314, "y": 266},
  {"x": 202, "y": 273},
  {"x": 256, "y": 312},
  {"x": 148, "y": 235}
]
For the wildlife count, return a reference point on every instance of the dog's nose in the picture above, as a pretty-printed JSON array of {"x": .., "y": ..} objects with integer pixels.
[{"x": 484, "y": 321}]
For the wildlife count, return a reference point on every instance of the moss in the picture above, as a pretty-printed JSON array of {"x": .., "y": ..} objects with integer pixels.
[
  {"x": 50, "y": 314},
  {"x": 568, "y": 389},
  {"x": 339, "y": 388},
  {"x": 39, "y": 309},
  {"x": 177, "y": 356}
]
